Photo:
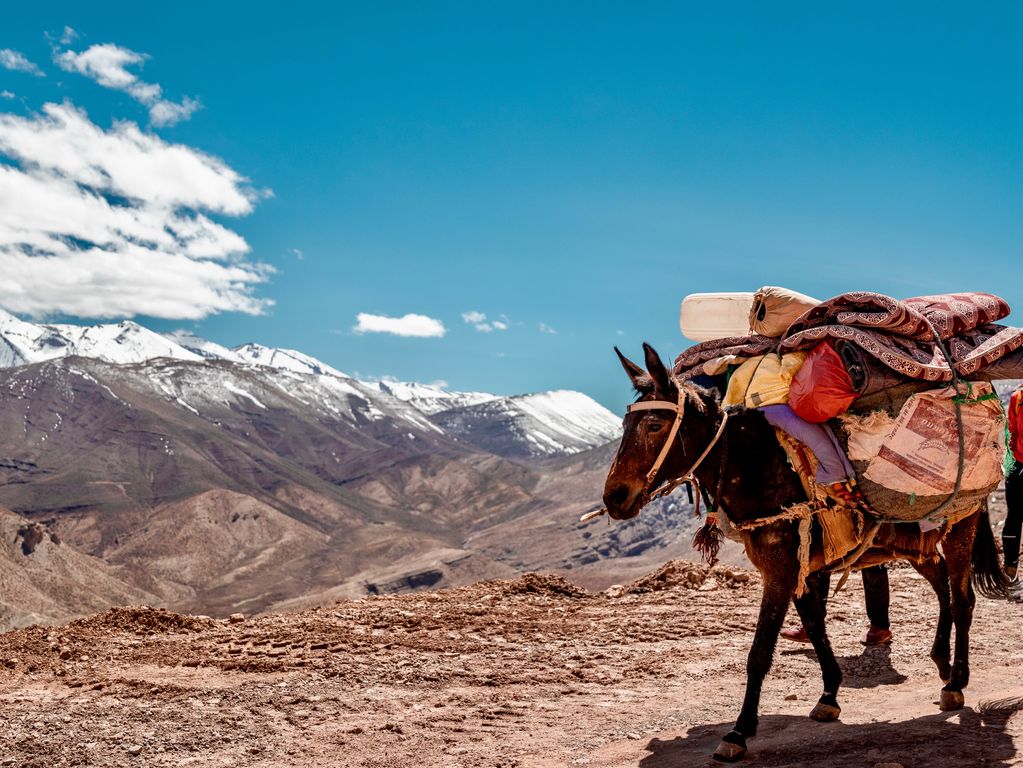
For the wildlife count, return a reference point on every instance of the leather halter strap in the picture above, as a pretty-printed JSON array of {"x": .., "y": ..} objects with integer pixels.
[
  {"x": 689, "y": 477},
  {"x": 679, "y": 408},
  {"x": 663, "y": 405}
]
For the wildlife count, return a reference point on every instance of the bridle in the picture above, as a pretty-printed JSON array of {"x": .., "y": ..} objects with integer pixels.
[
  {"x": 690, "y": 476},
  {"x": 668, "y": 486}
]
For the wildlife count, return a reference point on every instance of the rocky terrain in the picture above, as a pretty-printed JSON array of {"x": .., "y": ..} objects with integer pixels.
[{"x": 533, "y": 671}]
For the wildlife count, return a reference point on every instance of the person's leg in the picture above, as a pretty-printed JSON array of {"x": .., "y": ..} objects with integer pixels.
[
  {"x": 876, "y": 596},
  {"x": 833, "y": 466},
  {"x": 1014, "y": 518}
]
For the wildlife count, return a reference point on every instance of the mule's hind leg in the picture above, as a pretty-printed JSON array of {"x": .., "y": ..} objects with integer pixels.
[
  {"x": 958, "y": 548},
  {"x": 936, "y": 573},
  {"x": 778, "y": 589},
  {"x": 809, "y": 608}
]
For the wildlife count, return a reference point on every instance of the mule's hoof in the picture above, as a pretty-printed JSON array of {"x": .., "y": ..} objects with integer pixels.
[
  {"x": 727, "y": 752},
  {"x": 825, "y": 713},
  {"x": 951, "y": 701},
  {"x": 731, "y": 748}
]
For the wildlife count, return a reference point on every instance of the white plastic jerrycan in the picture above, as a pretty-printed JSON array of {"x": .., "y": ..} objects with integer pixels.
[{"x": 706, "y": 316}]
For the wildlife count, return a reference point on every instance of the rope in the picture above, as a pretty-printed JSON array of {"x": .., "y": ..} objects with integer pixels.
[{"x": 957, "y": 402}]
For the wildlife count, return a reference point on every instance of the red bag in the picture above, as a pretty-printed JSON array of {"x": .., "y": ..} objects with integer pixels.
[{"x": 822, "y": 388}]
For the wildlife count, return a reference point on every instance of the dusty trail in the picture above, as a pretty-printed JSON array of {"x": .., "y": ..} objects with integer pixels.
[{"x": 530, "y": 672}]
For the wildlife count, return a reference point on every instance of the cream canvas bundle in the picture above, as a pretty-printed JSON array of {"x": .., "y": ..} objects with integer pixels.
[{"x": 774, "y": 309}]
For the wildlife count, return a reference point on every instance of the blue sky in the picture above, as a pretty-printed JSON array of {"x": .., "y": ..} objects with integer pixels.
[{"x": 580, "y": 166}]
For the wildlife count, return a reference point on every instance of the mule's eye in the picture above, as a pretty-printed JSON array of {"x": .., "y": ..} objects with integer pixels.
[{"x": 655, "y": 426}]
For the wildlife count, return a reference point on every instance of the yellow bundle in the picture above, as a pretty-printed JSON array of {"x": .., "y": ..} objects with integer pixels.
[{"x": 763, "y": 380}]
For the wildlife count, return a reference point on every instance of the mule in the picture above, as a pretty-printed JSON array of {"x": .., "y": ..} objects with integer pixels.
[{"x": 671, "y": 427}]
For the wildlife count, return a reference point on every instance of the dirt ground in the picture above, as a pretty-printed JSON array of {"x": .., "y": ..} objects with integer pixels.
[{"x": 529, "y": 672}]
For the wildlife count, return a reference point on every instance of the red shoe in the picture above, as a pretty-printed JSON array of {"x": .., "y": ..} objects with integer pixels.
[
  {"x": 876, "y": 636},
  {"x": 848, "y": 493},
  {"x": 795, "y": 635}
]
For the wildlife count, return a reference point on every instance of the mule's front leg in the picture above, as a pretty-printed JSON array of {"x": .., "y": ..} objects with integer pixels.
[
  {"x": 810, "y": 613},
  {"x": 778, "y": 589}
]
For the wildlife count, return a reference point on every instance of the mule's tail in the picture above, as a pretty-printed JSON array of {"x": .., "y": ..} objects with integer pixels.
[{"x": 988, "y": 577}]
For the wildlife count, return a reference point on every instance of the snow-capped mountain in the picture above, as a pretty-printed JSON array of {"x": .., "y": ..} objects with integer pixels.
[
  {"x": 549, "y": 423},
  {"x": 284, "y": 359},
  {"x": 431, "y": 399},
  {"x": 206, "y": 376},
  {"x": 203, "y": 347},
  {"x": 23, "y": 343}
]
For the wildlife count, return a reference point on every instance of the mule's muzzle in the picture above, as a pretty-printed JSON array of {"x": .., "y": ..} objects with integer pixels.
[{"x": 622, "y": 502}]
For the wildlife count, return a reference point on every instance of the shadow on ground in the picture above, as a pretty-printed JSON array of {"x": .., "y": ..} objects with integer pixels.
[
  {"x": 868, "y": 669},
  {"x": 968, "y": 737}
]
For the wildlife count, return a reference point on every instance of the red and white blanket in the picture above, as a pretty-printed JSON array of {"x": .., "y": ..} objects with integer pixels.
[{"x": 898, "y": 333}]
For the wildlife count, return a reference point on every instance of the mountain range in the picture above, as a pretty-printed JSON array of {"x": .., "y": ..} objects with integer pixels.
[{"x": 172, "y": 470}]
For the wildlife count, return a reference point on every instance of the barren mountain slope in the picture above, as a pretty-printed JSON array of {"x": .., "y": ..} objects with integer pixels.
[
  {"x": 217, "y": 487},
  {"x": 527, "y": 673},
  {"x": 43, "y": 580}
]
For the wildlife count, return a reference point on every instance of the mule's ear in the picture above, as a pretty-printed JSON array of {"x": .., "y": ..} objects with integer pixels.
[
  {"x": 662, "y": 381},
  {"x": 635, "y": 373}
]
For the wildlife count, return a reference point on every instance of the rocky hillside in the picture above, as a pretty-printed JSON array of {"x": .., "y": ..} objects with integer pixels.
[{"x": 212, "y": 480}]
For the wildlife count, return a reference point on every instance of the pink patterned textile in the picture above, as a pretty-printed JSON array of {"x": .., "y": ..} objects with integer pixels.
[{"x": 897, "y": 333}]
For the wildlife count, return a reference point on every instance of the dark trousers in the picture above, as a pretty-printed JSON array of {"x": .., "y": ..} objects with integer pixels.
[
  {"x": 875, "y": 593},
  {"x": 1014, "y": 520}
]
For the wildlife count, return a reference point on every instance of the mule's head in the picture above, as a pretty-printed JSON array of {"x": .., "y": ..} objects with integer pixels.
[{"x": 645, "y": 433}]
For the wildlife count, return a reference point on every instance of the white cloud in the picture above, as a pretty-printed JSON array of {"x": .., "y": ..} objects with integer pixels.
[
  {"x": 16, "y": 62},
  {"x": 478, "y": 320},
  {"x": 6, "y": 95},
  {"x": 419, "y": 326},
  {"x": 298, "y": 253},
  {"x": 68, "y": 35},
  {"x": 544, "y": 328},
  {"x": 113, "y": 223},
  {"x": 108, "y": 64}
]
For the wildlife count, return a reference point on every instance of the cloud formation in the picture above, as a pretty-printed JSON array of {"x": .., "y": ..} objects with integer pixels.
[
  {"x": 411, "y": 325},
  {"x": 113, "y": 223},
  {"x": 16, "y": 62},
  {"x": 478, "y": 320},
  {"x": 108, "y": 64},
  {"x": 544, "y": 328}
]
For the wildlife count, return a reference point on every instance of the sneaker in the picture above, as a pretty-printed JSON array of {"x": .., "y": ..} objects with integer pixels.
[
  {"x": 877, "y": 636},
  {"x": 795, "y": 635}
]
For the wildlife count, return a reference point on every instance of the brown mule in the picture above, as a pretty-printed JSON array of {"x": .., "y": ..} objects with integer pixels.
[{"x": 741, "y": 463}]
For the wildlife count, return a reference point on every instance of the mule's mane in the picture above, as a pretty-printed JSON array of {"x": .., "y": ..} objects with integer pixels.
[{"x": 644, "y": 386}]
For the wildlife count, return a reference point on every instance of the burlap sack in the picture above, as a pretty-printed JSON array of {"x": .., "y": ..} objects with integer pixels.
[
  {"x": 775, "y": 308},
  {"x": 907, "y": 464}
]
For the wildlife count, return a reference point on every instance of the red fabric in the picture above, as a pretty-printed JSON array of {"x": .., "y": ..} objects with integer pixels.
[
  {"x": 1016, "y": 424},
  {"x": 822, "y": 388}
]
